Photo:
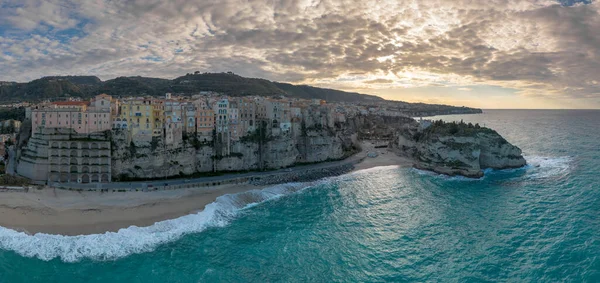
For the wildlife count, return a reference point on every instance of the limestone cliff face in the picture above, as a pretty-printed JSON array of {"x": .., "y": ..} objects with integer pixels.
[
  {"x": 458, "y": 149},
  {"x": 145, "y": 160}
]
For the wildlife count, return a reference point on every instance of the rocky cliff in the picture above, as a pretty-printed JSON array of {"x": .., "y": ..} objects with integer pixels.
[
  {"x": 276, "y": 149},
  {"x": 457, "y": 148}
]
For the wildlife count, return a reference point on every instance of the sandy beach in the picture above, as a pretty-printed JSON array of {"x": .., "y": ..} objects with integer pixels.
[{"x": 55, "y": 211}]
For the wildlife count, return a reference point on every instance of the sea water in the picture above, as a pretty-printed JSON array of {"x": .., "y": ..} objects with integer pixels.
[{"x": 539, "y": 223}]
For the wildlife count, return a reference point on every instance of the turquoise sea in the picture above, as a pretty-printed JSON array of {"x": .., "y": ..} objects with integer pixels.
[{"x": 540, "y": 223}]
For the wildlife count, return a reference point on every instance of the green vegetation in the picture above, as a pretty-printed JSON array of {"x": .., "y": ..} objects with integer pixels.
[
  {"x": 259, "y": 135},
  {"x": 232, "y": 154},
  {"x": 154, "y": 143},
  {"x": 132, "y": 149},
  {"x": 12, "y": 113},
  {"x": 8, "y": 180},
  {"x": 227, "y": 83},
  {"x": 453, "y": 129}
]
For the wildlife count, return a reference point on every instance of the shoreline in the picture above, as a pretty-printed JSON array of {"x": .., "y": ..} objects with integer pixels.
[{"x": 71, "y": 213}]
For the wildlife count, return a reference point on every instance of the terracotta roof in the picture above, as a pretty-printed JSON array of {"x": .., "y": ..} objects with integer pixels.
[{"x": 72, "y": 103}]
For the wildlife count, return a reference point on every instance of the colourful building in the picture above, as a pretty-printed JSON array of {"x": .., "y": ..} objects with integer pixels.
[
  {"x": 205, "y": 119},
  {"x": 82, "y": 116}
]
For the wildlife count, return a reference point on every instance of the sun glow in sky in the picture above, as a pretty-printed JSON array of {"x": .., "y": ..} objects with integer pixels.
[{"x": 488, "y": 54}]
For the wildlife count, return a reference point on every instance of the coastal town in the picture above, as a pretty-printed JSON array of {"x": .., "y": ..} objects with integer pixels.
[
  {"x": 106, "y": 139},
  {"x": 152, "y": 151}
]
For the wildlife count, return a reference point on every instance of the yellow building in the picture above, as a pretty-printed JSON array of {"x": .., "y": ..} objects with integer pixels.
[
  {"x": 137, "y": 115},
  {"x": 158, "y": 115}
]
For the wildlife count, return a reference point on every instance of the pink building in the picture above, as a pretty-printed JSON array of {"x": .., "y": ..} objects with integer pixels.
[
  {"x": 205, "y": 119},
  {"x": 82, "y": 116}
]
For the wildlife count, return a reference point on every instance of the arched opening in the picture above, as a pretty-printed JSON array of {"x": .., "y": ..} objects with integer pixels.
[
  {"x": 74, "y": 145},
  {"x": 94, "y": 146},
  {"x": 85, "y": 169},
  {"x": 54, "y": 177},
  {"x": 54, "y": 145},
  {"x": 85, "y": 178},
  {"x": 104, "y": 178},
  {"x": 64, "y": 145},
  {"x": 64, "y": 161},
  {"x": 73, "y": 169},
  {"x": 64, "y": 177},
  {"x": 85, "y": 153},
  {"x": 73, "y": 153},
  {"x": 73, "y": 178},
  {"x": 94, "y": 178}
]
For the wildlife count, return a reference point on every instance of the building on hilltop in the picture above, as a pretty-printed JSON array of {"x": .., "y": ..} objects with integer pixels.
[
  {"x": 205, "y": 119},
  {"x": 189, "y": 118},
  {"x": 173, "y": 122},
  {"x": 246, "y": 116},
  {"x": 136, "y": 115},
  {"x": 83, "y": 117}
]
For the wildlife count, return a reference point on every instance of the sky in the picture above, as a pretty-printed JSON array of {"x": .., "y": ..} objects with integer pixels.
[{"x": 477, "y": 53}]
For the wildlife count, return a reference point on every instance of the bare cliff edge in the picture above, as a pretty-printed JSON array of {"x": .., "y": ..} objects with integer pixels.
[{"x": 457, "y": 148}]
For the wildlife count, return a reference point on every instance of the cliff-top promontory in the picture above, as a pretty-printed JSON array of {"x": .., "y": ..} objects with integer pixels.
[{"x": 457, "y": 148}]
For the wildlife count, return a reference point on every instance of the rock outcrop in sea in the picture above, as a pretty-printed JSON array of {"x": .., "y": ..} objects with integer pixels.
[{"x": 457, "y": 148}]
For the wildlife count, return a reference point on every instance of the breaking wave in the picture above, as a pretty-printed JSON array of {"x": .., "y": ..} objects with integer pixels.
[
  {"x": 135, "y": 240},
  {"x": 537, "y": 167},
  {"x": 445, "y": 177},
  {"x": 544, "y": 167}
]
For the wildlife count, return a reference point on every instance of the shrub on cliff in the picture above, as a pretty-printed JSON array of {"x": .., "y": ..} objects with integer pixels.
[{"x": 461, "y": 128}]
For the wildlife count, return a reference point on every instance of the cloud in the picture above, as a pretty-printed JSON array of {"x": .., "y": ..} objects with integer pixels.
[
  {"x": 542, "y": 48},
  {"x": 378, "y": 81}
]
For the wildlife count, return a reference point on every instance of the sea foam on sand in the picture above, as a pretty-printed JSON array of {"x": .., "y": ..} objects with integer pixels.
[{"x": 134, "y": 240}]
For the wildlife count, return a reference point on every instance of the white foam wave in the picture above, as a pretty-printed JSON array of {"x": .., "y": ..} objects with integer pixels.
[
  {"x": 134, "y": 240},
  {"x": 543, "y": 167},
  {"x": 445, "y": 177}
]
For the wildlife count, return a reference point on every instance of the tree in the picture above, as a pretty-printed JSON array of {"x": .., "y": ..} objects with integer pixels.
[{"x": 132, "y": 149}]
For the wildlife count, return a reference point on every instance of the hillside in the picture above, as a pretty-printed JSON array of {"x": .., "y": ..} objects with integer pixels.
[
  {"x": 42, "y": 89},
  {"x": 310, "y": 92},
  {"x": 58, "y": 88}
]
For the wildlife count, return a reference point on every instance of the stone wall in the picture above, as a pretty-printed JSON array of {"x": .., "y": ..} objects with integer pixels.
[{"x": 62, "y": 155}]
